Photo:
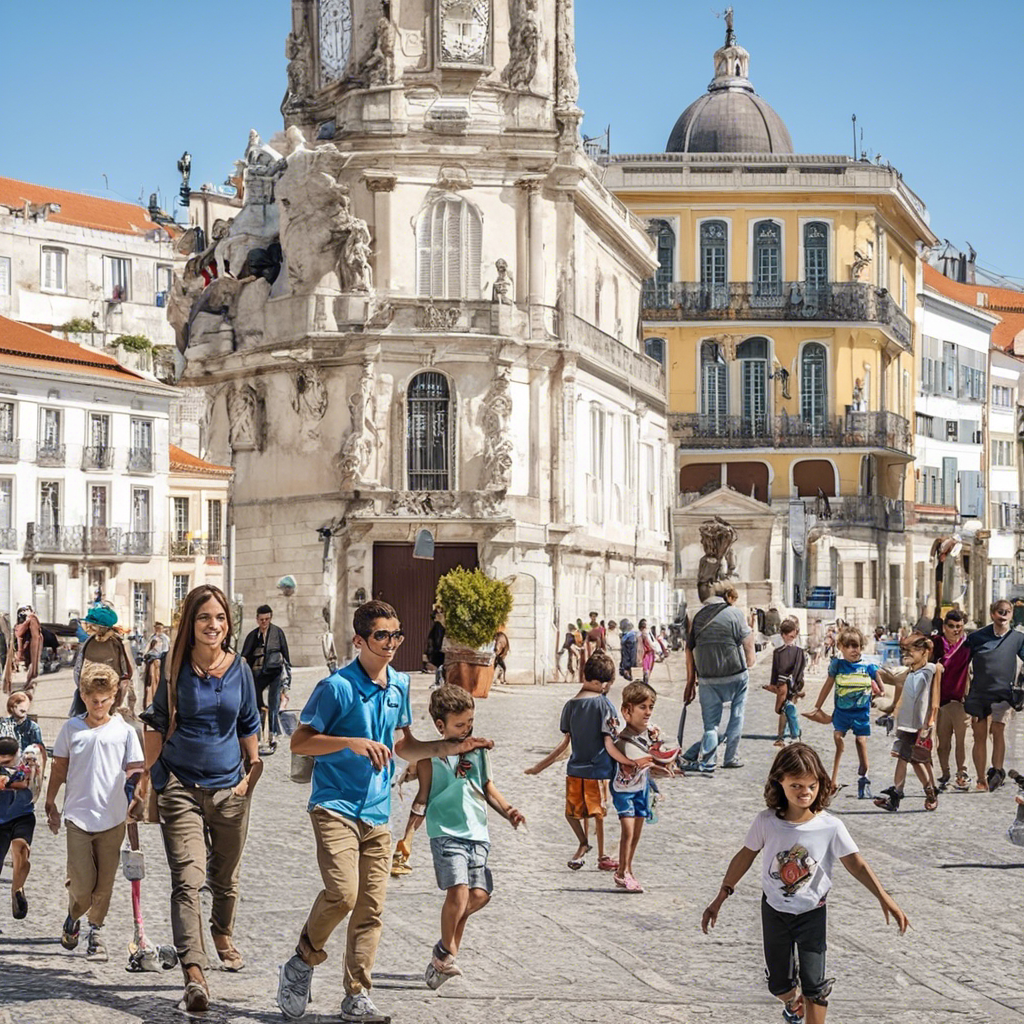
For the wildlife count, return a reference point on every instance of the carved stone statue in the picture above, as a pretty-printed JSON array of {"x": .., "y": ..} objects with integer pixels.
[
  {"x": 310, "y": 402},
  {"x": 730, "y": 35},
  {"x": 502, "y": 285},
  {"x": 355, "y": 272},
  {"x": 498, "y": 444},
  {"x": 568, "y": 80},
  {"x": 523, "y": 44},
  {"x": 718, "y": 561},
  {"x": 243, "y": 418},
  {"x": 379, "y": 67},
  {"x": 300, "y": 88},
  {"x": 364, "y": 436}
]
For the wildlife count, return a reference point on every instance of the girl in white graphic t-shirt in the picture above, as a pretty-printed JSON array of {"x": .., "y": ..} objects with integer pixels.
[{"x": 800, "y": 842}]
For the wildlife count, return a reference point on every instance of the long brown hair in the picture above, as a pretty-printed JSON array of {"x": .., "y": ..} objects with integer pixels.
[
  {"x": 796, "y": 759},
  {"x": 185, "y": 639}
]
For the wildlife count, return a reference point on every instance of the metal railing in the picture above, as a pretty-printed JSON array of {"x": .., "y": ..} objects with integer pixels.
[
  {"x": 10, "y": 449},
  {"x": 56, "y": 539},
  {"x": 613, "y": 353},
  {"x": 852, "y": 301},
  {"x": 182, "y": 547},
  {"x": 860, "y": 510},
  {"x": 97, "y": 457},
  {"x": 140, "y": 460},
  {"x": 852, "y": 430},
  {"x": 50, "y": 454},
  {"x": 137, "y": 543},
  {"x": 102, "y": 540}
]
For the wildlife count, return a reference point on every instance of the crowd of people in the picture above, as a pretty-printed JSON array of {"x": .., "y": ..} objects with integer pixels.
[{"x": 187, "y": 754}]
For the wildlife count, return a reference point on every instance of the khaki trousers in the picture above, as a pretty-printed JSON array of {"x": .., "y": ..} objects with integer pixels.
[
  {"x": 354, "y": 859},
  {"x": 951, "y": 720},
  {"x": 186, "y": 815},
  {"x": 93, "y": 859}
]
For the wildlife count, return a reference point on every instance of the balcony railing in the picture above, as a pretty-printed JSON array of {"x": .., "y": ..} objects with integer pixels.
[
  {"x": 68, "y": 540},
  {"x": 137, "y": 543},
  {"x": 102, "y": 540},
  {"x": 860, "y": 510},
  {"x": 852, "y": 430},
  {"x": 50, "y": 454},
  {"x": 97, "y": 457},
  {"x": 8, "y": 538},
  {"x": 848, "y": 301},
  {"x": 614, "y": 354},
  {"x": 99, "y": 541},
  {"x": 183, "y": 547},
  {"x": 10, "y": 449},
  {"x": 140, "y": 460}
]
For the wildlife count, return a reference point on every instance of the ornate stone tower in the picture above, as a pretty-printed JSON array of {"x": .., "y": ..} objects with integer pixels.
[{"x": 425, "y": 316}]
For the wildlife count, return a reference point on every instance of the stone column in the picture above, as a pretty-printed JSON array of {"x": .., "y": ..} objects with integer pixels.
[
  {"x": 535, "y": 220},
  {"x": 381, "y": 184}
]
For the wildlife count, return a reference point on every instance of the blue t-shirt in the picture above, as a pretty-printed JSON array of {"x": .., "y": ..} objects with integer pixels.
[
  {"x": 14, "y": 803},
  {"x": 588, "y": 720},
  {"x": 26, "y": 732},
  {"x": 349, "y": 703},
  {"x": 213, "y": 714},
  {"x": 853, "y": 683}
]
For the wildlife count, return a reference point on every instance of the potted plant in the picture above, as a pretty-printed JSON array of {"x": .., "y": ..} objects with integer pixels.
[{"x": 475, "y": 608}]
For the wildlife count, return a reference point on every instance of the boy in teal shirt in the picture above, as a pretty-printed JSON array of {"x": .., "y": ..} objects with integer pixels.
[{"x": 460, "y": 789}]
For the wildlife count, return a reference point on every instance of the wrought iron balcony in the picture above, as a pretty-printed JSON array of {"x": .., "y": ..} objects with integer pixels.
[
  {"x": 57, "y": 540},
  {"x": 847, "y": 301},
  {"x": 102, "y": 540},
  {"x": 140, "y": 460},
  {"x": 852, "y": 430},
  {"x": 859, "y": 510},
  {"x": 137, "y": 543},
  {"x": 184, "y": 547},
  {"x": 97, "y": 457},
  {"x": 8, "y": 538},
  {"x": 50, "y": 454},
  {"x": 10, "y": 449}
]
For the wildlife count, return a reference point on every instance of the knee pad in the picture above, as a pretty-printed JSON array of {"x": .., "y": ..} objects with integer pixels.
[{"x": 820, "y": 998}]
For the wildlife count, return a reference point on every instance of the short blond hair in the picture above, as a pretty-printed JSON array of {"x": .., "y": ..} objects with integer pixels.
[{"x": 98, "y": 678}]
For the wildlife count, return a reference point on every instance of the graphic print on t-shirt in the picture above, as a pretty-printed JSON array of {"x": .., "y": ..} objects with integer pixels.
[{"x": 793, "y": 868}]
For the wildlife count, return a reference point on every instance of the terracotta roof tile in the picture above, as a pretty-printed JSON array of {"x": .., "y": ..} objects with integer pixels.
[
  {"x": 184, "y": 462},
  {"x": 25, "y": 346},
  {"x": 78, "y": 209},
  {"x": 1005, "y": 303}
]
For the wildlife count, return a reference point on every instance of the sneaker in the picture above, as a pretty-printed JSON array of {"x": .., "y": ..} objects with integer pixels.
[
  {"x": 69, "y": 934},
  {"x": 439, "y": 970},
  {"x": 294, "y": 984},
  {"x": 359, "y": 1007},
  {"x": 791, "y": 1016},
  {"x": 890, "y": 800},
  {"x": 19, "y": 905},
  {"x": 95, "y": 948},
  {"x": 995, "y": 777},
  {"x": 733, "y": 764},
  {"x": 863, "y": 788},
  {"x": 943, "y": 783}
]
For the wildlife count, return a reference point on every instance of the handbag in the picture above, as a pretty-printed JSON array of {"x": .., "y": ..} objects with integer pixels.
[
  {"x": 273, "y": 662},
  {"x": 1017, "y": 694}
]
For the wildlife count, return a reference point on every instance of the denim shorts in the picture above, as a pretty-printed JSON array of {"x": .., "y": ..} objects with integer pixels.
[
  {"x": 632, "y": 805},
  {"x": 857, "y": 719},
  {"x": 461, "y": 862}
]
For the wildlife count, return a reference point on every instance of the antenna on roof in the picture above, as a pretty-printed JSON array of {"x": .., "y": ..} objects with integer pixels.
[
  {"x": 854, "y": 119},
  {"x": 106, "y": 184}
]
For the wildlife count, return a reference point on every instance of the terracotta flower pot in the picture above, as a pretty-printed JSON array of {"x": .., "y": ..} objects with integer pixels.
[{"x": 471, "y": 668}]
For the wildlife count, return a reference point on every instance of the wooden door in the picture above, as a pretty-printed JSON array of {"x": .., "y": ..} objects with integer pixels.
[{"x": 409, "y": 584}]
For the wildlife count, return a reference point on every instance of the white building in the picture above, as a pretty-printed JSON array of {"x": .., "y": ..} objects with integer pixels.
[
  {"x": 452, "y": 342},
  {"x": 83, "y": 480},
  {"x": 1003, "y": 521}
]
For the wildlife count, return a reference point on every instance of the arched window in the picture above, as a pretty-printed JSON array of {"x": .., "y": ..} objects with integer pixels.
[
  {"x": 767, "y": 258},
  {"x": 662, "y": 233},
  {"x": 448, "y": 241},
  {"x": 714, "y": 389},
  {"x": 816, "y": 254},
  {"x": 714, "y": 274},
  {"x": 655, "y": 348},
  {"x": 429, "y": 433},
  {"x": 813, "y": 387},
  {"x": 753, "y": 357}
]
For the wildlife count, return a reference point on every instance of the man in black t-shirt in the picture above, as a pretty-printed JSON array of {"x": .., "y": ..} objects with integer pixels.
[{"x": 995, "y": 653}]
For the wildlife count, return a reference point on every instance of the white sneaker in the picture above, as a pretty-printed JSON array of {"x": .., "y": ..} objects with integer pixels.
[{"x": 359, "y": 1007}]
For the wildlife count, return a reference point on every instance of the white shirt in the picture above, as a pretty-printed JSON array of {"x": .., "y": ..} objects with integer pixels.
[
  {"x": 797, "y": 860},
  {"x": 916, "y": 700},
  {"x": 94, "y": 797}
]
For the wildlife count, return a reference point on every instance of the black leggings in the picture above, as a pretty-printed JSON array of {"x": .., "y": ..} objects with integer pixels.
[{"x": 795, "y": 943}]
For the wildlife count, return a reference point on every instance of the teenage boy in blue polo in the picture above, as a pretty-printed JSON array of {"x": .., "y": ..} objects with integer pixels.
[{"x": 348, "y": 726}]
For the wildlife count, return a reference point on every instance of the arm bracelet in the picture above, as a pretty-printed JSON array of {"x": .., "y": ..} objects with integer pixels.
[{"x": 728, "y": 889}]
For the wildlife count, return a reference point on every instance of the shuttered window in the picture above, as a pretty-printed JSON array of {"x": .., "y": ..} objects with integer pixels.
[
  {"x": 448, "y": 241},
  {"x": 714, "y": 387},
  {"x": 753, "y": 356},
  {"x": 816, "y": 254},
  {"x": 768, "y": 258},
  {"x": 813, "y": 396}
]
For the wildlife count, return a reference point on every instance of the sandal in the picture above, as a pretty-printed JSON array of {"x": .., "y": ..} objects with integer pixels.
[
  {"x": 230, "y": 959},
  {"x": 890, "y": 801},
  {"x": 607, "y": 864},
  {"x": 931, "y": 798},
  {"x": 963, "y": 780},
  {"x": 197, "y": 997},
  {"x": 630, "y": 884}
]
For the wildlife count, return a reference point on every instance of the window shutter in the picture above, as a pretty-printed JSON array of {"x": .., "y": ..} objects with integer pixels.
[
  {"x": 423, "y": 252},
  {"x": 474, "y": 249},
  {"x": 949, "y": 482},
  {"x": 972, "y": 493}
]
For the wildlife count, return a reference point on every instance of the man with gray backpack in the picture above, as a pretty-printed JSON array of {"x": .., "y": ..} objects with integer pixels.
[{"x": 719, "y": 654}]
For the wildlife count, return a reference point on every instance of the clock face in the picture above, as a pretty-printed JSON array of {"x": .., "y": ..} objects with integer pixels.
[
  {"x": 465, "y": 31},
  {"x": 335, "y": 38}
]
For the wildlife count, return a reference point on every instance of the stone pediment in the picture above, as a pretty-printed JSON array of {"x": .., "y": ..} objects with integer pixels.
[{"x": 727, "y": 503}]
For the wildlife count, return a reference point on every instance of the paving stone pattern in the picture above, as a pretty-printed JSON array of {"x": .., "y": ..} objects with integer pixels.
[{"x": 558, "y": 946}]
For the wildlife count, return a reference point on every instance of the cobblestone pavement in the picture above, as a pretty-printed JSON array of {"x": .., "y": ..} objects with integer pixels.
[{"x": 567, "y": 947}]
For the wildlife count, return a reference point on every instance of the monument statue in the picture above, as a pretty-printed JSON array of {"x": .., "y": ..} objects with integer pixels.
[
  {"x": 379, "y": 67},
  {"x": 523, "y": 44},
  {"x": 718, "y": 561},
  {"x": 502, "y": 285}
]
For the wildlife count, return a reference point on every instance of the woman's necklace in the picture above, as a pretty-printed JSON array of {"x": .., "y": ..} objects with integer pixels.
[{"x": 206, "y": 673}]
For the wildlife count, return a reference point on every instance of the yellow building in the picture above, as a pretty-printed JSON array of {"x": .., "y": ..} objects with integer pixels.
[{"x": 784, "y": 308}]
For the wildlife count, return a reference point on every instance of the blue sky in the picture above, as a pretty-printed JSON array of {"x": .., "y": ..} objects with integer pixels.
[{"x": 121, "y": 87}]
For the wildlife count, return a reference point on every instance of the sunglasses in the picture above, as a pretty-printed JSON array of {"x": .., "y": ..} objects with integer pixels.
[{"x": 380, "y": 635}]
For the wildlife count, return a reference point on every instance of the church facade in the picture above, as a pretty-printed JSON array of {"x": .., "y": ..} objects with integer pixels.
[{"x": 424, "y": 316}]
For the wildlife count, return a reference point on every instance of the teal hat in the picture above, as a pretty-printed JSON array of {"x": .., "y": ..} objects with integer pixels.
[{"x": 102, "y": 617}]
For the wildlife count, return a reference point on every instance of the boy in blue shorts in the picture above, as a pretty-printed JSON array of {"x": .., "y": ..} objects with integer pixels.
[
  {"x": 348, "y": 727},
  {"x": 854, "y": 681},
  {"x": 17, "y": 821},
  {"x": 460, "y": 789}
]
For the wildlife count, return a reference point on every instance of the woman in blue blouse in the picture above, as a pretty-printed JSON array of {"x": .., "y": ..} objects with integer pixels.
[{"x": 201, "y": 760}]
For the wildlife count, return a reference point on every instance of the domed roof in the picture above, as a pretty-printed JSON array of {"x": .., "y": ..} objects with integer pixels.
[{"x": 730, "y": 117}]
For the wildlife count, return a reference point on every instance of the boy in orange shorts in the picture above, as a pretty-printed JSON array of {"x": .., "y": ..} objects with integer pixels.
[{"x": 586, "y": 719}]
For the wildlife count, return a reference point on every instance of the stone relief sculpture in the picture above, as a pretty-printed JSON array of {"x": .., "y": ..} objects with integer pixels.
[
  {"x": 379, "y": 66},
  {"x": 500, "y": 293},
  {"x": 364, "y": 435},
  {"x": 567, "y": 82},
  {"x": 718, "y": 562},
  {"x": 498, "y": 444},
  {"x": 355, "y": 272},
  {"x": 300, "y": 78},
  {"x": 244, "y": 418},
  {"x": 310, "y": 402},
  {"x": 523, "y": 43}
]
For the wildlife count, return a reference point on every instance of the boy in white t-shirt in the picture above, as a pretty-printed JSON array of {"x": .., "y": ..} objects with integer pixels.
[
  {"x": 99, "y": 756},
  {"x": 800, "y": 842}
]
